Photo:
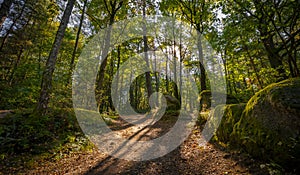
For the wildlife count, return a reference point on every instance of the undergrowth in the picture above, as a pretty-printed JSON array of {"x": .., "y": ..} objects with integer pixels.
[{"x": 25, "y": 137}]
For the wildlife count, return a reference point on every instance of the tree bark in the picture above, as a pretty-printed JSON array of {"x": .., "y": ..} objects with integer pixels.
[
  {"x": 148, "y": 77},
  {"x": 116, "y": 89},
  {"x": 175, "y": 68},
  {"x": 114, "y": 9},
  {"x": 202, "y": 69},
  {"x": 11, "y": 27},
  {"x": 260, "y": 84},
  {"x": 77, "y": 40},
  {"x": 274, "y": 58},
  {"x": 167, "y": 78},
  {"x": 46, "y": 85}
]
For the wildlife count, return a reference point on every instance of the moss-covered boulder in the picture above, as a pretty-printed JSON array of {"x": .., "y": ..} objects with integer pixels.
[
  {"x": 173, "y": 103},
  {"x": 270, "y": 124},
  {"x": 231, "y": 115},
  {"x": 206, "y": 99}
]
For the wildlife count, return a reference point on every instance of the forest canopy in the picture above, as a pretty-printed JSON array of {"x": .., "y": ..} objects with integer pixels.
[{"x": 256, "y": 43}]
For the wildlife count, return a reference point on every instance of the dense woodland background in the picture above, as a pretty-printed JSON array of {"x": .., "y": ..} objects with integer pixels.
[{"x": 257, "y": 43}]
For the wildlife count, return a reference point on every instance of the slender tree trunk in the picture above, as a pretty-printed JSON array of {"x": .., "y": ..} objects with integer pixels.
[
  {"x": 234, "y": 84},
  {"x": 202, "y": 69},
  {"x": 16, "y": 65},
  {"x": 175, "y": 71},
  {"x": 180, "y": 66},
  {"x": 167, "y": 79},
  {"x": 104, "y": 56},
  {"x": 111, "y": 75},
  {"x": 77, "y": 40},
  {"x": 268, "y": 42},
  {"x": 226, "y": 72},
  {"x": 231, "y": 76},
  {"x": 294, "y": 60},
  {"x": 292, "y": 73},
  {"x": 131, "y": 92},
  {"x": 156, "y": 74},
  {"x": 116, "y": 89},
  {"x": 289, "y": 52},
  {"x": 145, "y": 38},
  {"x": 22, "y": 49},
  {"x": 174, "y": 60},
  {"x": 274, "y": 58},
  {"x": 136, "y": 94},
  {"x": 120, "y": 91},
  {"x": 40, "y": 62},
  {"x": 276, "y": 63},
  {"x": 254, "y": 68},
  {"x": 106, "y": 44},
  {"x": 46, "y": 86},
  {"x": 11, "y": 27}
]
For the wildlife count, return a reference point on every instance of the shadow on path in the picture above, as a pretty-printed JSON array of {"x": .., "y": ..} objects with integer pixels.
[{"x": 189, "y": 158}]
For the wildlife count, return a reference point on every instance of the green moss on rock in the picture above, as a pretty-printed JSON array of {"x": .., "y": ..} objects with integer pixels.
[
  {"x": 232, "y": 114},
  {"x": 202, "y": 118},
  {"x": 173, "y": 103},
  {"x": 270, "y": 124}
]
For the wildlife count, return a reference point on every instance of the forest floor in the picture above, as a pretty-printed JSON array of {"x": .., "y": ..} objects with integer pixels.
[{"x": 188, "y": 158}]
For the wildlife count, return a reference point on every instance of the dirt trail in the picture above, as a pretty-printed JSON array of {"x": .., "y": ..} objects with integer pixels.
[{"x": 189, "y": 158}]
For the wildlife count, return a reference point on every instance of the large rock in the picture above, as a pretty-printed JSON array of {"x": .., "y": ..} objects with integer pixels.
[
  {"x": 172, "y": 103},
  {"x": 231, "y": 115},
  {"x": 270, "y": 124}
]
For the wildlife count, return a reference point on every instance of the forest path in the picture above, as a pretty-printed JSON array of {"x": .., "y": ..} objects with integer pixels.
[{"x": 189, "y": 158}]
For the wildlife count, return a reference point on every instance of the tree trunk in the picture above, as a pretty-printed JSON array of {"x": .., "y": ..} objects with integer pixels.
[
  {"x": 274, "y": 58},
  {"x": 156, "y": 74},
  {"x": 104, "y": 55},
  {"x": 76, "y": 41},
  {"x": 202, "y": 69},
  {"x": 167, "y": 79},
  {"x": 11, "y": 27},
  {"x": 16, "y": 66},
  {"x": 148, "y": 77},
  {"x": 223, "y": 57},
  {"x": 111, "y": 75},
  {"x": 114, "y": 9},
  {"x": 294, "y": 60},
  {"x": 116, "y": 89},
  {"x": 131, "y": 91},
  {"x": 260, "y": 84},
  {"x": 175, "y": 69},
  {"x": 136, "y": 94},
  {"x": 180, "y": 66},
  {"x": 46, "y": 86}
]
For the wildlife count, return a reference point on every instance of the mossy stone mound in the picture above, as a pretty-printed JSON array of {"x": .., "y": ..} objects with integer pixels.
[
  {"x": 173, "y": 103},
  {"x": 231, "y": 115},
  {"x": 270, "y": 124}
]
